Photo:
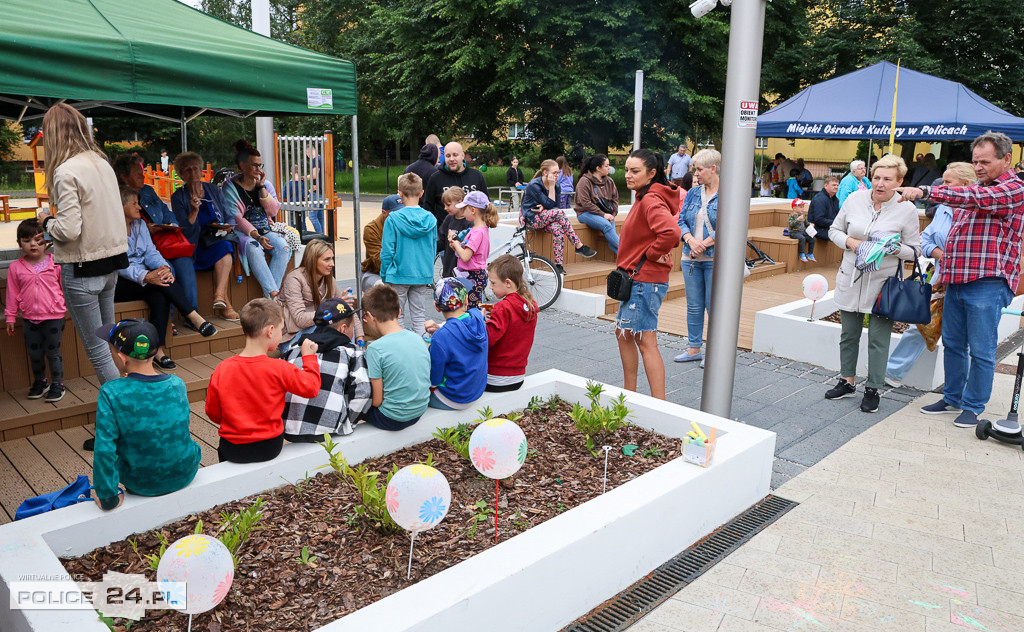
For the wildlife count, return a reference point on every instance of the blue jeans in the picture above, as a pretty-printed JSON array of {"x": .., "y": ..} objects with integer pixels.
[
  {"x": 268, "y": 276},
  {"x": 906, "y": 353},
  {"x": 317, "y": 218},
  {"x": 607, "y": 228},
  {"x": 970, "y": 321},
  {"x": 90, "y": 301},
  {"x": 435, "y": 402},
  {"x": 697, "y": 279},
  {"x": 640, "y": 312},
  {"x": 185, "y": 273}
]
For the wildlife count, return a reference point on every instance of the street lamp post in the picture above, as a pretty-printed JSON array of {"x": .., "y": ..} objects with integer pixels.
[{"x": 742, "y": 89}]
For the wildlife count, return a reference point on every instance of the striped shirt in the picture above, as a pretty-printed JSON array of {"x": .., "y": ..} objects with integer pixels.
[{"x": 988, "y": 223}]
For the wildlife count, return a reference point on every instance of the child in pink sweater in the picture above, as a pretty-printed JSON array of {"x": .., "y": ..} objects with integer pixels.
[{"x": 34, "y": 289}]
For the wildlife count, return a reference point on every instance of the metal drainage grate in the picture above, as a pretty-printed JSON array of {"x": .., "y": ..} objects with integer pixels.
[{"x": 630, "y": 605}]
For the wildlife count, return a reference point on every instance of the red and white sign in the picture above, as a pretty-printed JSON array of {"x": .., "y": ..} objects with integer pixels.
[{"x": 748, "y": 114}]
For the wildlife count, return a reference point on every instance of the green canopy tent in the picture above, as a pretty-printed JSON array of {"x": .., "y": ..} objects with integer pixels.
[{"x": 164, "y": 59}]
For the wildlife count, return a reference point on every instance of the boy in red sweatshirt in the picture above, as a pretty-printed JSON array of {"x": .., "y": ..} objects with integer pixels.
[{"x": 246, "y": 393}]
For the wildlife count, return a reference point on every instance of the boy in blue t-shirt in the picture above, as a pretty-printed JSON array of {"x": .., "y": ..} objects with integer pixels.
[
  {"x": 397, "y": 362},
  {"x": 458, "y": 348},
  {"x": 795, "y": 190}
]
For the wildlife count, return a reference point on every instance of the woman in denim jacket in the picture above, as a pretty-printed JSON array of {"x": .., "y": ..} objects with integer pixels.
[{"x": 699, "y": 221}]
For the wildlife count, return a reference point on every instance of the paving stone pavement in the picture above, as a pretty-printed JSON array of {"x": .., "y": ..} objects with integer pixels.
[
  {"x": 912, "y": 525},
  {"x": 772, "y": 393}
]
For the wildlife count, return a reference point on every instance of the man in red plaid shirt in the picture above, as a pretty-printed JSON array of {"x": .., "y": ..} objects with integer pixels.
[{"x": 980, "y": 267}]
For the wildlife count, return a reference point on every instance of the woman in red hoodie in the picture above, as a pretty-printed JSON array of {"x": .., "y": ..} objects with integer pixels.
[
  {"x": 648, "y": 237},
  {"x": 511, "y": 325}
]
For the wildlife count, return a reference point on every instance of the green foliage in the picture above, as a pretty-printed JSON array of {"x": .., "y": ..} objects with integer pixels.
[
  {"x": 373, "y": 504},
  {"x": 152, "y": 559},
  {"x": 652, "y": 452},
  {"x": 536, "y": 404},
  {"x": 306, "y": 558},
  {"x": 236, "y": 527},
  {"x": 485, "y": 414},
  {"x": 599, "y": 422},
  {"x": 483, "y": 512},
  {"x": 111, "y": 623},
  {"x": 456, "y": 437}
]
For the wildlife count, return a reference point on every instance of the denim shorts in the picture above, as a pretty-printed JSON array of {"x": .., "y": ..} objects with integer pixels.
[{"x": 640, "y": 312}]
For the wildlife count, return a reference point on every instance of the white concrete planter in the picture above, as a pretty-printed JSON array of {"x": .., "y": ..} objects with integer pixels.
[
  {"x": 784, "y": 331},
  {"x": 562, "y": 568}
]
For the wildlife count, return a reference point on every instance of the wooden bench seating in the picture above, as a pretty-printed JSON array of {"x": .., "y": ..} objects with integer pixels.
[{"x": 195, "y": 356}]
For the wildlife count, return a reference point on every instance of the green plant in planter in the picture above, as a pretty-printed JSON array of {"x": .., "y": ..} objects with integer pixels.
[
  {"x": 483, "y": 512},
  {"x": 456, "y": 437},
  {"x": 599, "y": 422},
  {"x": 485, "y": 414},
  {"x": 306, "y": 558},
  {"x": 236, "y": 527},
  {"x": 536, "y": 404},
  {"x": 372, "y": 494}
]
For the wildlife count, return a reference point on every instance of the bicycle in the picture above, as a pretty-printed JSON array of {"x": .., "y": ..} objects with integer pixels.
[{"x": 539, "y": 272}]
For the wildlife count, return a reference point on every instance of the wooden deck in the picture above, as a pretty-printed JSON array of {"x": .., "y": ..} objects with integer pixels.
[{"x": 43, "y": 463}]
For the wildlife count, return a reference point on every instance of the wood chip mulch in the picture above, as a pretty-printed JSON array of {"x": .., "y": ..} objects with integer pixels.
[
  {"x": 897, "y": 327},
  {"x": 356, "y": 565}
]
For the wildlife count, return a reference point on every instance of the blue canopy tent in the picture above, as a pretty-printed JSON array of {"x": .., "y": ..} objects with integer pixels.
[{"x": 858, "y": 106}]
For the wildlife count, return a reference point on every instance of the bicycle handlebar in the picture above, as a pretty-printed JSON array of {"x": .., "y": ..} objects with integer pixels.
[{"x": 1012, "y": 312}]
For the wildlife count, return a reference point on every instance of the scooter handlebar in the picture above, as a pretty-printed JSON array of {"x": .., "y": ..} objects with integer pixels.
[{"x": 1012, "y": 312}]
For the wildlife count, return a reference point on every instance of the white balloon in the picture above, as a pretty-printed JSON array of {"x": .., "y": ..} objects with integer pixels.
[
  {"x": 815, "y": 286},
  {"x": 206, "y": 567},
  {"x": 497, "y": 448},
  {"x": 418, "y": 497}
]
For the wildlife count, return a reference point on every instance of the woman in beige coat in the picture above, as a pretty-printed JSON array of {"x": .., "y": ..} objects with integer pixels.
[
  {"x": 298, "y": 297},
  {"x": 87, "y": 228},
  {"x": 865, "y": 213}
]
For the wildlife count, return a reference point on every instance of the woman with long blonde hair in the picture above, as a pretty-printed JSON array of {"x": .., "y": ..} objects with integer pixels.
[
  {"x": 540, "y": 211},
  {"x": 86, "y": 223},
  {"x": 308, "y": 285}
]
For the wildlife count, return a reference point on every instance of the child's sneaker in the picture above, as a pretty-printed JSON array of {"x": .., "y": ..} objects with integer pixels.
[
  {"x": 56, "y": 393},
  {"x": 803, "y": 258},
  {"x": 37, "y": 390},
  {"x": 812, "y": 259}
]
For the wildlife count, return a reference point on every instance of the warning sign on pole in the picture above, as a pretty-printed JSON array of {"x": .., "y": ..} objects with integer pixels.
[{"x": 748, "y": 114}]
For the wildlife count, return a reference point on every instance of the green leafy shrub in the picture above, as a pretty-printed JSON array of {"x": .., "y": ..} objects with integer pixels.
[
  {"x": 599, "y": 422},
  {"x": 456, "y": 437},
  {"x": 236, "y": 527}
]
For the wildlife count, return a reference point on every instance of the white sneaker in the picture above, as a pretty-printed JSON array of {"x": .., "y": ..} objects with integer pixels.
[{"x": 893, "y": 382}]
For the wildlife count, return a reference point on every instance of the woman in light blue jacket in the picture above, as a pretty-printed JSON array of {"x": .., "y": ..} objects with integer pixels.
[
  {"x": 856, "y": 180},
  {"x": 933, "y": 244},
  {"x": 699, "y": 221}
]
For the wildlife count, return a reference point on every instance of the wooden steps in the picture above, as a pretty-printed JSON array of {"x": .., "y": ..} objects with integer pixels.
[{"x": 43, "y": 463}]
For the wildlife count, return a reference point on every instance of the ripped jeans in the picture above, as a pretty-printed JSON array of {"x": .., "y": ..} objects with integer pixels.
[{"x": 640, "y": 312}]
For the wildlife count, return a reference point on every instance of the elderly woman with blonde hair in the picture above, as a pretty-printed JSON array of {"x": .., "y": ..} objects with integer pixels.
[
  {"x": 856, "y": 180},
  {"x": 699, "y": 221},
  {"x": 933, "y": 245},
  {"x": 874, "y": 215}
]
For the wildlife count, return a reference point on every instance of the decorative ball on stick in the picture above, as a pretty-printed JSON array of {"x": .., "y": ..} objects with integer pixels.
[
  {"x": 815, "y": 287},
  {"x": 205, "y": 566},
  {"x": 497, "y": 449},
  {"x": 418, "y": 497}
]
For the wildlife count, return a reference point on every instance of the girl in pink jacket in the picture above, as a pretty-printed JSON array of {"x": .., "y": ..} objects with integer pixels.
[{"x": 34, "y": 289}]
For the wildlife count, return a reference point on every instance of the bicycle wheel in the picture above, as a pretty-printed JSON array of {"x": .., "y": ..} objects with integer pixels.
[
  {"x": 438, "y": 266},
  {"x": 541, "y": 277}
]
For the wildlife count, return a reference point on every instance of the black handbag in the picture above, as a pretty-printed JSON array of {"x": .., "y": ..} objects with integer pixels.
[
  {"x": 620, "y": 282},
  {"x": 606, "y": 205},
  {"x": 905, "y": 300},
  {"x": 208, "y": 237}
]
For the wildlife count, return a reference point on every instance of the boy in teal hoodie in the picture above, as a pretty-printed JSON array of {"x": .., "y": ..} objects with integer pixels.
[{"x": 407, "y": 252}]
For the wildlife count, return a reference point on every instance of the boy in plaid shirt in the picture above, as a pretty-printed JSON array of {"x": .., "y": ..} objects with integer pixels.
[{"x": 344, "y": 384}]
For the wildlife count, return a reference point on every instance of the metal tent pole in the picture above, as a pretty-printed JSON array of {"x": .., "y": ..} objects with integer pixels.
[
  {"x": 743, "y": 80},
  {"x": 357, "y": 237},
  {"x": 264, "y": 124},
  {"x": 638, "y": 107},
  {"x": 184, "y": 131}
]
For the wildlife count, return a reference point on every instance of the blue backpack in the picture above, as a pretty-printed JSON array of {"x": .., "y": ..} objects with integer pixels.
[{"x": 74, "y": 493}]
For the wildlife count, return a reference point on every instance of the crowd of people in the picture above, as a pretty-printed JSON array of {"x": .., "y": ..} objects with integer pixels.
[{"x": 382, "y": 362}]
